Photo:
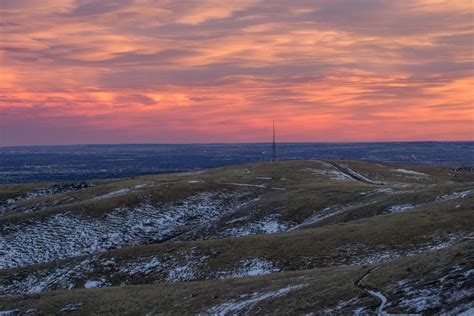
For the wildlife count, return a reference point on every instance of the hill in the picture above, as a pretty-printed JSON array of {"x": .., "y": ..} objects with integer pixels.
[{"x": 295, "y": 236}]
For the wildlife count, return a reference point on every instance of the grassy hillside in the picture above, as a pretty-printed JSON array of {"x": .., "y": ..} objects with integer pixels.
[{"x": 289, "y": 236}]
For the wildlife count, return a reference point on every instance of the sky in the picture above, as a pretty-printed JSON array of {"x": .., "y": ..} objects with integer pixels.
[{"x": 205, "y": 71}]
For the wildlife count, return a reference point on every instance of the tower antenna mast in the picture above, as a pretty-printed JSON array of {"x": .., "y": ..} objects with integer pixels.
[{"x": 274, "y": 144}]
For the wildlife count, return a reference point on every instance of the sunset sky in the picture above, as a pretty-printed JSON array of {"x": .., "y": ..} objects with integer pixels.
[{"x": 171, "y": 71}]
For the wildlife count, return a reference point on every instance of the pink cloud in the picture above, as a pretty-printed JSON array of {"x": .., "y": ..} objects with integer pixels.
[{"x": 197, "y": 71}]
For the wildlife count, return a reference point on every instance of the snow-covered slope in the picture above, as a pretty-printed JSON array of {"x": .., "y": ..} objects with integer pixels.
[{"x": 65, "y": 235}]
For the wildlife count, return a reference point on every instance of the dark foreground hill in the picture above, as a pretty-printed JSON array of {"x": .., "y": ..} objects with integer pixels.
[{"x": 300, "y": 236}]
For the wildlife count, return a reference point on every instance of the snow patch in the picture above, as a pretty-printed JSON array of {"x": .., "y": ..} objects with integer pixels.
[
  {"x": 140, "y": 186},
  {"x": 195, "y": 181},
  {"x": 189, "y": 173},
  {"x": 188, "y": 270},
  {"x": 143, "y": 266},
  {"x": 410, "y": 172},
  {"x": 342, "y": 305},
  {"x": 329, "y": 212},
  {"x": 236, "y": 220},
  {"x": 324, "y": 163},
  {"x": 249, "y": 185},
  {"x": 334, "y": 174},
  {"x": 267, "y": 225},
  {"x": 71, "y": 307},
  {"x": 90, "y": 284},
  {"x": 181, "y": 273},
  {"x": 249, "y": 267},
  {"x": 401, "y": 208},
  {"x": 249, "y": 301},
  {"x": 10, "y": 312},
  {"x": 382, "y": 298},
  {"x": 382, "y": 190},
  {"x": 256, "y": 186},
  {"x": 113, "y": 194},
  {"x": 454, "y": 195}
]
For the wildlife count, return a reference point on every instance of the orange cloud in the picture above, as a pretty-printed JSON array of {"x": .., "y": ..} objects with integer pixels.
[{"x": 186, "y": 71}]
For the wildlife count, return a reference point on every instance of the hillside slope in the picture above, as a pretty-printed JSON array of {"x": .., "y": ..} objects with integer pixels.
[{"x": 303, "y": 236}]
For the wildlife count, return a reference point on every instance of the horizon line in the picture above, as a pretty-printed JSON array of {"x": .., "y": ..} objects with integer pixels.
[{"x": 244, "y": 143}]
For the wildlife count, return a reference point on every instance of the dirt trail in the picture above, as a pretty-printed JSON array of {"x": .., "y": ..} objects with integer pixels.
[{"x": 354, "y": 175}]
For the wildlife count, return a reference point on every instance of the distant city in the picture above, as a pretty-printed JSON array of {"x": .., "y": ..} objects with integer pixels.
[{"x": 85, "y": 162}]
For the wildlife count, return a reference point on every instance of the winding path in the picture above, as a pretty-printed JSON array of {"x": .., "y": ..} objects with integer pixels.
[{"x": 379, "y": 296}]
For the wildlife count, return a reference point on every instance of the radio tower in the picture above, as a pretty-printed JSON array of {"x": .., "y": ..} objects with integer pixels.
[{"x": 274, "y": 158}]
